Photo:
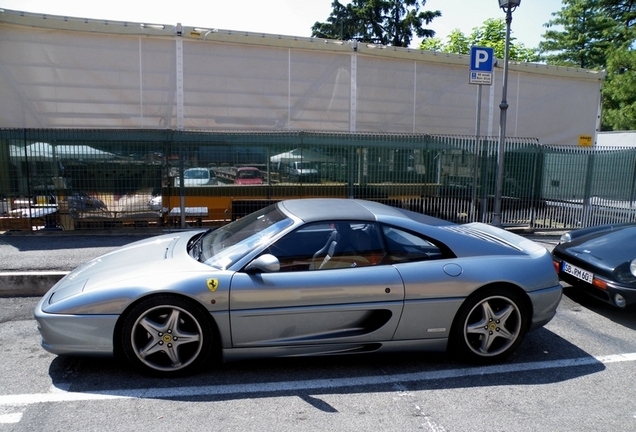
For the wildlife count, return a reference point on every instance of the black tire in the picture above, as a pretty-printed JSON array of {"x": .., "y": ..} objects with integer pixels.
[
  {"x": 490, "y": 325},
  {"x": 166, "y": 336}
]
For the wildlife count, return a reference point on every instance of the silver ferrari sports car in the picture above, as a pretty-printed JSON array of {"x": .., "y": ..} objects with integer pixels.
[{"x": 305, "y": 277}]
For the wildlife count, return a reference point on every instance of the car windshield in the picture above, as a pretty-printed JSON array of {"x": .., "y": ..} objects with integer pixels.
[
  {"x": 196, "y": 174},
  {"x": 249, "y": 174},
  {"x": 223, "y": 247}
]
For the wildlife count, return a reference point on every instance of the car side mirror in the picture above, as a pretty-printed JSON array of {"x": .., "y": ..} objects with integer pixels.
[{"x": 267, "y": 263}]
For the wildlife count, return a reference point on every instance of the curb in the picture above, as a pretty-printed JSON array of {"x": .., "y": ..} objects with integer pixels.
[{"x": 28, "y": 284}]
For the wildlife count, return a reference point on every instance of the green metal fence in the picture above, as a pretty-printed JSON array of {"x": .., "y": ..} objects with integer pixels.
[{"x": 145, "y": 179}]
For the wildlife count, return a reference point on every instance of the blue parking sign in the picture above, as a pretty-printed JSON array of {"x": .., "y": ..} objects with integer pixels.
[
  {"x": 481, "y": 65},
  {"x": 481, "y": 59}
]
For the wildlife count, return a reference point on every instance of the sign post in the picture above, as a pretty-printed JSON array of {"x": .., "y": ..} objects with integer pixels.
[{"x": 481, "y": 70}]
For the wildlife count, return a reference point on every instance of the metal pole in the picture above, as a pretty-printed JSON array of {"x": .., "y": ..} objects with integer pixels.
[
  {"x": 180, "y": 95},
  {"x": 473, "y": 216},
  {"x": 353, "y": 117},
  {"x": 586, "y": 217},
  {"x": 503, "y": 106}
]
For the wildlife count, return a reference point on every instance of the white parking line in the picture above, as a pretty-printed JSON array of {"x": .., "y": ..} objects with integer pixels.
[
  {"x": 10, "y": 418},
  {"x": 58, "y": 394}
]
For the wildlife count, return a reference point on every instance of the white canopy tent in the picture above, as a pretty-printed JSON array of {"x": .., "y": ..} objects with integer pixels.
[
  {"x": 300, "y": 154},
  {"x": 44, "y": 151}
]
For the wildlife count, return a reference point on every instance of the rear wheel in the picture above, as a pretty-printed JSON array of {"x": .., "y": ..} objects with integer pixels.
[
  {"x": 166, "y": 335},
  {"x": 490, "y": 325}
]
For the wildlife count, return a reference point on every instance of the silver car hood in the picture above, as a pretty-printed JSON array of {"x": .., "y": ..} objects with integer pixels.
[{"x": 157, "y": 255}]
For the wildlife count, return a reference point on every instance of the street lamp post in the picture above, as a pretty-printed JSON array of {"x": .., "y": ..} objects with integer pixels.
[{"x": 508, "y": 7}]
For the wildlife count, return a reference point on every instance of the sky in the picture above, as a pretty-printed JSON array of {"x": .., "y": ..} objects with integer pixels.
[{"x": 288, "y": 17}]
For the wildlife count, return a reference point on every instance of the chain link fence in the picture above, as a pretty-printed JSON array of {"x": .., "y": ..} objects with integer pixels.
[{"x": 148, "y": 179}]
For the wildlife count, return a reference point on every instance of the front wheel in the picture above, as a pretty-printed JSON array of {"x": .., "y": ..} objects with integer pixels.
[
  {"x": 166, "y": 336},
  {"x": 490, "y": 325}
]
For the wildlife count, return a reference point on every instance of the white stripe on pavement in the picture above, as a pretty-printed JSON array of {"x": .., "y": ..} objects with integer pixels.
[
  {"x": 10, "y": 418},
  {"x": 60, "y": 395}
]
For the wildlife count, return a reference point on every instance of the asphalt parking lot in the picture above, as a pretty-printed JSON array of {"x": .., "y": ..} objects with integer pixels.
[{"x": 576, "y": 374}]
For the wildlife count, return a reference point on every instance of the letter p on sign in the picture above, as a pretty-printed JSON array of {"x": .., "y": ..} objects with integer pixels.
[{"x": 480, "y": 57}]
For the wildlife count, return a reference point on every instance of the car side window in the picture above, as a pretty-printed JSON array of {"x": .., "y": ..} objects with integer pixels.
[
  {"x": 403, "y": 246},
  {"x": 329, "y": 245},
  {"x": 351, "y": 244},
  {"x": 295, "y": 251}
]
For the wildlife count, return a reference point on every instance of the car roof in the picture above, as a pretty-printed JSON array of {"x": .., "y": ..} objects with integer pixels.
[
  {"x": 318, "y": 209},
  {"x": 463, "y": 240}
]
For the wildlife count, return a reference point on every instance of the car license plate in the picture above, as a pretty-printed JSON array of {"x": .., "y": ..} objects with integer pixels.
[{"x": 577, "y": 272}]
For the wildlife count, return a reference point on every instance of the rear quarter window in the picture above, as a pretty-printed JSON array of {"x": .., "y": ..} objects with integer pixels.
[{"x": 403, "y": 246}]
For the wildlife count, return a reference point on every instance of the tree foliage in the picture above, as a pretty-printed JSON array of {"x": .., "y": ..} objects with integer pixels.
[
  {"x": 619, "y": 91},
  {"x": 586, "y": 36},
  {"x": 384, "y": 22},
  {"x": 491, "y": 34}
]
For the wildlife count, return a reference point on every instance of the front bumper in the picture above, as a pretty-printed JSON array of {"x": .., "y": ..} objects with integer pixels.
[
  {"x": 76, "y": 334},
  {"x": 607, "y": 294},
  {"x": 607, "y": 290}
]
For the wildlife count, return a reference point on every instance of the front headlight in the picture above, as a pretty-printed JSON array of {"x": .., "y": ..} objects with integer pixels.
[
  {"x": 565, "y": 238},
  {"x": 626, "y": 272}
]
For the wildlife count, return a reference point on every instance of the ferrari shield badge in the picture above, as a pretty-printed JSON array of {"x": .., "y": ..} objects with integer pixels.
[{"x": 213, "y": 284}]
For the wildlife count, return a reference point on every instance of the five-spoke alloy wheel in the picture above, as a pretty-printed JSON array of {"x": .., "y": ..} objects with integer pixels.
[
  {"x": 490, "y": 325},
  {"x": 166, "y": 335}
]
